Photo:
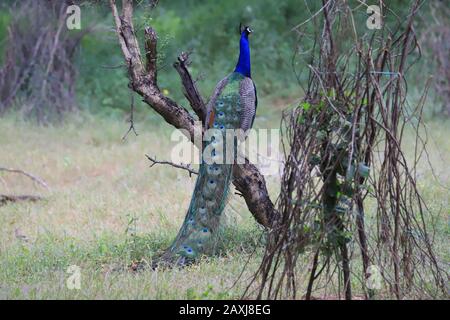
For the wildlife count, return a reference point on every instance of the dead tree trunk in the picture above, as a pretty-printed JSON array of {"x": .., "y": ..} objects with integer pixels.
[{"x": 143, "y": 80}]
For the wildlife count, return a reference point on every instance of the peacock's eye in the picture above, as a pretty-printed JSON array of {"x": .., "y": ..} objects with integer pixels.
[
  {"x": 205, "y": 230},
  {"x": 211, "y": 181}
]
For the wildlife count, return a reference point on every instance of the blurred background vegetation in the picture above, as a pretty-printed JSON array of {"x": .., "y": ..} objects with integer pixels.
[{"x": 209, "y": 30}]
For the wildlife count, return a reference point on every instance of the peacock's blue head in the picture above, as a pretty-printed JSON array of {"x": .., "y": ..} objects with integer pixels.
[{"x": 246, "y": 31}]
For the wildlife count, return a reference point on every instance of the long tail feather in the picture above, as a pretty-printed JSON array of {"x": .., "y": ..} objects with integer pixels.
[{"x": 198, "y": 234}]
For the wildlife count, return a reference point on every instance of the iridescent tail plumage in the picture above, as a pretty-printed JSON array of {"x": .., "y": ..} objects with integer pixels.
[{"x": 199, "y": 233}]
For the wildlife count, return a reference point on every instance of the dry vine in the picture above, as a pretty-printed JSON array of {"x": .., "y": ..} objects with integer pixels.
[{"x": 344, "y": 149}]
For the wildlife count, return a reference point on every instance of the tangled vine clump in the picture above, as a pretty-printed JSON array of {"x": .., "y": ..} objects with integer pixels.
[{"x": 350, "y": 209}]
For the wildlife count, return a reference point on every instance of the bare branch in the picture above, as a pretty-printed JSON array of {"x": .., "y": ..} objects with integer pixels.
[
  {"x": 118, "y": 23},
  {"x": 29, "y": 175},
  {"x": 179, "y": 166},
  {"x": 131, "y": 128},
  {"x": 190, "y": 89}
]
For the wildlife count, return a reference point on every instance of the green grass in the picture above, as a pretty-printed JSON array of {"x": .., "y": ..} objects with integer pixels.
[{"x": 107, "y": 208}]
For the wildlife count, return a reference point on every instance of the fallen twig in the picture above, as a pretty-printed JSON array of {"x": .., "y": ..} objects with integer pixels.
[
  {"x": 29, "y": 175},
  {"x": 8, "y": 198}
]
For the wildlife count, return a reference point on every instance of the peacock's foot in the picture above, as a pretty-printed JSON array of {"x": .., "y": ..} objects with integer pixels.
[{"x": 171, "y": 260}]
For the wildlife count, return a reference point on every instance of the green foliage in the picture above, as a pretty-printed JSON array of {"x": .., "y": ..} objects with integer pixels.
[
  {"x": 209, "y": 31},
  {"x": 207, "y": 28}
]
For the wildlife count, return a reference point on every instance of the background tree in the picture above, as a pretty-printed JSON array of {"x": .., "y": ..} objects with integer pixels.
[{"x": 38, "y": 72}]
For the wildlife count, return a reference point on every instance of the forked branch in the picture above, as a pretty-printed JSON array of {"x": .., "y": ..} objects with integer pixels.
[{"x": 143, "y": 80}]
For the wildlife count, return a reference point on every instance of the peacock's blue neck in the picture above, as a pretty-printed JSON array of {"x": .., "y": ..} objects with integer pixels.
[{"x": 243, "y": 65}]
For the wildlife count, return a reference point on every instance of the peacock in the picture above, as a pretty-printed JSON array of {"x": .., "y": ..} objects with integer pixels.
[{"x": 231, "y": 106}]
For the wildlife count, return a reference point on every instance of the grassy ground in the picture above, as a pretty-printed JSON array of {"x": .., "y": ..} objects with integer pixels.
[{"x": 107, "y": 208}]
